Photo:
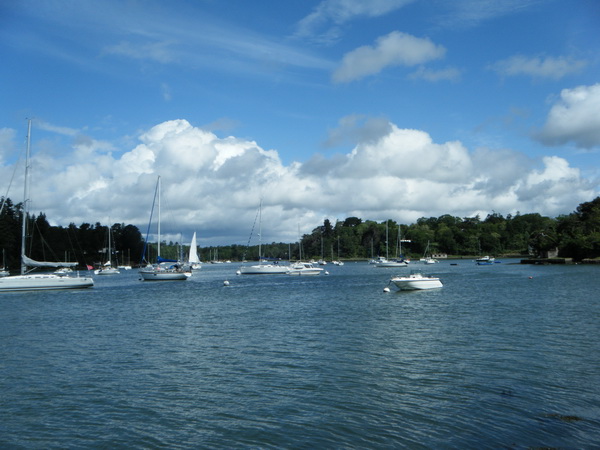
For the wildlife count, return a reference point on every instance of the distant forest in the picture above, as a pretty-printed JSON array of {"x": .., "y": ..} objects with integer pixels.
[{"x": 576, "y": 236}]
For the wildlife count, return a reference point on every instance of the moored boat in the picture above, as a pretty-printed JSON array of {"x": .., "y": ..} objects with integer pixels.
[
  {"x": 304, "y": 268},
  {"x": 416, "y": 281},
  {"x": 27, "y": 281}
]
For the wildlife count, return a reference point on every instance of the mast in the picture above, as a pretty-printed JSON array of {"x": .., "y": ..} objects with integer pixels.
[
  {"x": 25, "y": 200},
  {"x": 158, "y": 258},
  {"x": 260, "y": 232}
]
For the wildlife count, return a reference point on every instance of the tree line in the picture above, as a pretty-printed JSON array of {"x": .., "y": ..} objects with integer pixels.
[{"x": 576, "y": 235}]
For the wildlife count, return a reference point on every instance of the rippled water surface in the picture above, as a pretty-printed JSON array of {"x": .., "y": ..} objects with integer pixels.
[{"x": 504, "y": 356}]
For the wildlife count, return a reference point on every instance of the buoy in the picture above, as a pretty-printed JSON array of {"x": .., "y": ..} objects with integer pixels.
[
  {"x": 326, "y": 273},
  {"x": 531, "y": 278},
  {"x": 225, "y": 283},
  {"x": 239, "y": 272},
  {"x": 386, "y": 289}
]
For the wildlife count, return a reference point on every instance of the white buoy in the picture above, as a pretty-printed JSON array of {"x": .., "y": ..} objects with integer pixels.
[
  {"x": 225, "y": 283},
  {"x": 239, "y": 272},
  {"x": 326, "y": 273},
  {"x": 386, "y": 289}
]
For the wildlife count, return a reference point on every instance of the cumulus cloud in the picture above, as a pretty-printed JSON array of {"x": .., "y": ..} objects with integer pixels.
[
  {"x": 393, "y": 49},
  {"x": 213, "y": 184},
  {"x": 574, "y": 118},
  {"x": 539, "y": 67}
]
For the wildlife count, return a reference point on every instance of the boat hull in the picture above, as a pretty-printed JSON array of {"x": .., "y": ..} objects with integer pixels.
[
  {"x": 162, "y": 275},
  {"x": 109, "y": 271},
  {"x": 264, "y": 269},
  {"x": 43, "y": 282}
]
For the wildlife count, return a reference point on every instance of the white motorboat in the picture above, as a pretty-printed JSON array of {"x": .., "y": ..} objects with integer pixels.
[
  {"x": 416, "y": 281},
  {"x": 164, "y": 269},
  {"x": 304, "y": 268},
  {"x": 43, "y": 281}
]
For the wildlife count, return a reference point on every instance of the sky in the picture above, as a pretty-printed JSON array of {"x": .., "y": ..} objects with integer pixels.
[{"x": 319, "y": 109}]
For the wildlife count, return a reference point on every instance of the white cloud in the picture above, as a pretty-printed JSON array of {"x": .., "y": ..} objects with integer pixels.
[
  {"x": 539, "y": 67},
  {"x": 161, "y": 52},
  {"x": 212, "y": 185},
  {"x": 393, "y": 49},
  {"x": 574, "y": 118},
  {"x": 447, "y": 74},
  {"x": 329, "y": 14}
]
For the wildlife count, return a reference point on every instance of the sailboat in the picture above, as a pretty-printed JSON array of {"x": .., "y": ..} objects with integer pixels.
[
  {"x": 193, "y": 259},
  {"x": 107, "y": 268},
  {"x": 27, "y": 281},
  {"x": 3, "y": 271},
  {"x": 427, "y": 258},
  {"x": 164, "y": 269},
  {"x": 263, "y": 267},
  {"x": 385, "y": 262}
]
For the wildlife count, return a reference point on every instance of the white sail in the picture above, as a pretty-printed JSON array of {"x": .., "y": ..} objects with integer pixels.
[{"x": 193, "y": 258}]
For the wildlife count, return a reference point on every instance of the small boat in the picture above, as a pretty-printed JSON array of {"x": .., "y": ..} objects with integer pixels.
[
  {"x": 164, "y": 269},
  {"x": 263, "y": 267},
  {"x": 107, "y": 268},
  {"x": 416, "y": 281},
  {"x": 193, "y": 259},
  {"x": 485, "y": 259},
  {"x": 304, "y": 268}
]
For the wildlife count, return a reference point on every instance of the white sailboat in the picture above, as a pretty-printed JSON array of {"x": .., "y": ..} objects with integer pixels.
[
  {"x": 27, "y": 281},
  {"x": 263, "y": 267},
  {"x": 107, "y": 268},
  {"x": 385, "y": 262},
  {"x": 193, "y": 259},
  {"x": 164, "y": 269}
]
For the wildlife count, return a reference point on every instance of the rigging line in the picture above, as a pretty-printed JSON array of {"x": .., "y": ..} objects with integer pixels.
[
  {"x": 251, "y": 232},
  {"x": 11, "y": 182}
]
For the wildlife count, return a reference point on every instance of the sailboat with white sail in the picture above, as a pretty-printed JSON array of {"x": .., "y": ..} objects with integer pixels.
[
  {"x": 28, "y": 281},
  {"x": 163, "y": 269},
  {"x": 193, "y": 259}
]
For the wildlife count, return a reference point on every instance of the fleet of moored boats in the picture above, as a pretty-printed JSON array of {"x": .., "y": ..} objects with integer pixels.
[{"x": 172, "y": 270}]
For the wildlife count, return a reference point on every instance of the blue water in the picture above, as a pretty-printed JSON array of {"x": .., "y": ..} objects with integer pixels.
[{"x": 504, "y": 356}]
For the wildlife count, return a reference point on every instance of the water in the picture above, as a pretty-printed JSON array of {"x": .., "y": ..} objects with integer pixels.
[{"x": 495, "y": 359}]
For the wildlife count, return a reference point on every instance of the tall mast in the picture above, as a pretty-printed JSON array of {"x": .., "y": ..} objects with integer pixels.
[
  {"x": 260, "y": 232},
  {"x": 158, "y": 217},
  {"x": 25, "y": 199}
]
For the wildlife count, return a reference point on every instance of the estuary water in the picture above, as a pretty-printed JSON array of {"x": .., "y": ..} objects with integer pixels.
[{"x": 503, "y": 356}]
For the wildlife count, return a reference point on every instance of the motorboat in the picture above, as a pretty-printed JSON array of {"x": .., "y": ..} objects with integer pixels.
[
  {"x": 485, "y": 260},
  {"x": 304, "y": 268},
  {"x": 416, "y": 281}
]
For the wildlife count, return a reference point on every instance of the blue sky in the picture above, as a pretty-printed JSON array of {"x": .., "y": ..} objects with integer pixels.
[{"x": 394, "y": 109}]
